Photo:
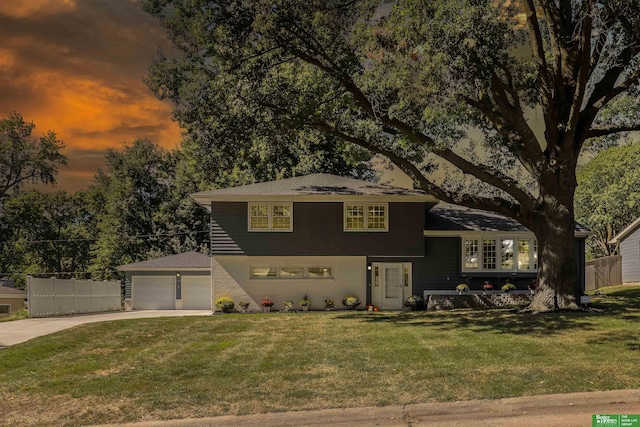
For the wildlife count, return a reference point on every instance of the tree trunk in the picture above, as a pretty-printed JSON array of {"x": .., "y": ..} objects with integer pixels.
[{"x": 557, "y": 269}]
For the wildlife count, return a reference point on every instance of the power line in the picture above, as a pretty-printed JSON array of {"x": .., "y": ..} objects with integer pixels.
[{"x": 140, "y": 236}]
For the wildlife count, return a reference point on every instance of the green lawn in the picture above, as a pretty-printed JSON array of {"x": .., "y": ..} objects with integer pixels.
[{"x": 240, "y": 364}]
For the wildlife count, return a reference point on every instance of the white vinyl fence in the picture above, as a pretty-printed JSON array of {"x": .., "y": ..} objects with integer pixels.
[{"x": 57, "y": 297}]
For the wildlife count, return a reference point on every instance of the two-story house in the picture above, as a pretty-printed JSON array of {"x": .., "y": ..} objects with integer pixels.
[{"x": 328, "y": 236}]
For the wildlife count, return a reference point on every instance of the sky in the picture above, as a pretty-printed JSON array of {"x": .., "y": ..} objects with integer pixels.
[{"x": 76, "y": 67}]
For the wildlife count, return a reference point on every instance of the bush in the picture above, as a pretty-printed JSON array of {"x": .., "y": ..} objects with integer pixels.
[
  {"x": 351, "y": 302},
  {"x": 508, "y": 287},
  {"x": 414, "y": 302},
  {"x": 225, "y": 304},
  {"x": 462, "y": 287}
]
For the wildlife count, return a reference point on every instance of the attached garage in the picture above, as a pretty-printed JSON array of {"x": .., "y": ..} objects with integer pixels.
[
  {"x": 196, "y": 292},
  {"x": 175, "y": 282},
  {"x": 154, "y": 292}
]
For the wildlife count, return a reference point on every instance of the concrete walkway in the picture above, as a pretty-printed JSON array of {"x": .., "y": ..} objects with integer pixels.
[
  {"x": 18, "y": 331},
  {"x": 556, "y": 410}
]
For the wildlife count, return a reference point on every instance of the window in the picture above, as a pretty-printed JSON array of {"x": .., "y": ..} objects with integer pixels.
[
  {"x": 366, "y": 217},
  {"x": 291, "y": 273},
  {"x": 489, "y": 252},
  {"x": 5, "y": 309},
  {"x": 471, "y": 254},
  {"x": 504, "y": 254},
  {"x": 270, "y": 217}
]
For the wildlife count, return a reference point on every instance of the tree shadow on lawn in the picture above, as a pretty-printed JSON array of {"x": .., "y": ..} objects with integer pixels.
[{"x": 502, "y": 321}]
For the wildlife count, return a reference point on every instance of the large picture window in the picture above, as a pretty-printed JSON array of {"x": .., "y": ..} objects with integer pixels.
[
  {"x": 366, "y": 217},
  {"x": 499, "y": 254},
  {"x": 270, "y": 217}
]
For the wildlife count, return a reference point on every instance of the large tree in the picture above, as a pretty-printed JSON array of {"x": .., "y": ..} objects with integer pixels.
[
  {"x": 457, "y": 86},
  {"x": 47, "y": 233},
  {"x": 24, "y": 158},
  {"x": 142, "y": 208},
  {"x": 608, "y": 196}
]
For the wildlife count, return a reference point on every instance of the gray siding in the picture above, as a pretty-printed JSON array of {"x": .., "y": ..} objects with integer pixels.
[
  {"x": 441, "y": 268},
  {"x": 630, "y": 251},
  {"x": 318, "y": 231}
]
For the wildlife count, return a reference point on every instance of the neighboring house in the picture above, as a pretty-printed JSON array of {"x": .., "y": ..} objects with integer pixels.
[
  {"x": 629, "y": 243},
  {"x": 328, "y": 236},
  {"x": 11, "y": 300},
  {"x": 176, "y": 282}
]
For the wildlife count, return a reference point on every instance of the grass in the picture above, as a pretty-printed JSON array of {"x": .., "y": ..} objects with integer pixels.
[
  {"x": 18, "y": 315},
  {"x": 165, "y": 368}
]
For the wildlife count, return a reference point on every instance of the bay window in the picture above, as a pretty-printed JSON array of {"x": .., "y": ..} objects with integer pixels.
[{"x": 499, "y": 254}]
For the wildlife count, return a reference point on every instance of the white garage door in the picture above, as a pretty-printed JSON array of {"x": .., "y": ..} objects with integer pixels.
[
  {"x": 196, "y": 292},
  {"x": 154, "y": 292}
]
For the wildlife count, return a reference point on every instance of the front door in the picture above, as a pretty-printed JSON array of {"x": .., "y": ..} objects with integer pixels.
[{"x": 391, "y": 285}]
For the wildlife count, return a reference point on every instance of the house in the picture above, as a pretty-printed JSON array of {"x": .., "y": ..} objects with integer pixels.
[
  {"x": 328, "y": 236},
  {"x": 11, "y": 300},
  {"x": 629, "y": 243}
]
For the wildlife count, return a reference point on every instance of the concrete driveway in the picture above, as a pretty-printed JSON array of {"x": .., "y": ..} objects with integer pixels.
[{"x": 19, "y": 331}]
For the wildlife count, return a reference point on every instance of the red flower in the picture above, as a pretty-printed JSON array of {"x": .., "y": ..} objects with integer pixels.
[{"x": 266, "y": 302}]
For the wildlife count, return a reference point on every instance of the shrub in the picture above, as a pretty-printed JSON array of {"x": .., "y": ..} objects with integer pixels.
[
  {"x": 305, "y": 302},
  {"x": 462, "y": 287},
  {"x": 414, "y": 302},
  {"x": 328, "y": 303},
  {"x": 351, "y": 302},
  {"x": 288, "y": 305},
  {"x": 266, "y": 302},
  {"x": 508, "y": 287},
  {"x": 225, "y": 304}
]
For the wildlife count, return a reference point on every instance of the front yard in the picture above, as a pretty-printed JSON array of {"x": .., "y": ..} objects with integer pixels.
[{"x": 166, "y": 368}]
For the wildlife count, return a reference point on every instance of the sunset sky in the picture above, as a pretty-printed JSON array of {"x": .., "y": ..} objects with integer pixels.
[{"x": 76, "y": 67}]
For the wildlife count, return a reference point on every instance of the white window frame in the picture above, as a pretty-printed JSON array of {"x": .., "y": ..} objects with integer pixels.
[
  {"x": 270, "y": 228},
  {"x": 366, "y": 207},
  {"x": 279, "y": 276},
  {"x": 498, "y": 255}
]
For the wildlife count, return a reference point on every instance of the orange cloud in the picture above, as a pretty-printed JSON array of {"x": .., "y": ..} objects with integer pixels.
[{"x": 29, "y": 8}]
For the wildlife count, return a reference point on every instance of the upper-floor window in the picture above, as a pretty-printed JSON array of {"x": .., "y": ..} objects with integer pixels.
[
  {"x": 366, "y": 217},
  {"x": 499, "y": 254},
  {"x": 270, "y": 217}
]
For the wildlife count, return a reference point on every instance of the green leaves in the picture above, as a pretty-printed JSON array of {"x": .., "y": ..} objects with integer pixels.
[
  {"x": 608, "y": 195},
  {"x": 24, "y": 158}
]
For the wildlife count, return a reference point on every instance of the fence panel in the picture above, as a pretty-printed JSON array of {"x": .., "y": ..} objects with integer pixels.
[
  {"x": 603, "y": 272},
  {"x": 57, "y": 297}
]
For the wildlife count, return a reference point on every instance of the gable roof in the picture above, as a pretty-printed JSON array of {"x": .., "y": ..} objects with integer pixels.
[
  {"x": 188, "y": 261},
  {"x": 448, "y": 219},
  {"x": 314, "y": 187},
  {"x": 626, "y": 232},
  {"x": 8, "y": 292}
]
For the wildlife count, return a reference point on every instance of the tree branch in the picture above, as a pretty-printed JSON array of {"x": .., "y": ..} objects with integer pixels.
[
  {"x": 496, "y": 204},
  {"x": 598, "y": 132}
]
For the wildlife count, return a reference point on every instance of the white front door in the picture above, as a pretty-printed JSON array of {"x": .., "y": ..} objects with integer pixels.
[{"x": 391, "y": 284}]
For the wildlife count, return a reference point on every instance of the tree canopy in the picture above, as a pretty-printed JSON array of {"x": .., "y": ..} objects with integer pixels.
[
  {"x": 24, "y": 158},
  {"x": 608, "y": 196},
  {"x": 450, "y": 92}
]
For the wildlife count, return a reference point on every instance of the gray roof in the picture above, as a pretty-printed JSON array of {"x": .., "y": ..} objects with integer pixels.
[
  {"x": 183, "y": 262},
  {"x": 317, "y": 186},
  {"x": 9, "y": 292},
  {"x": 629, "y": 229},
  {"x": 448, "y": 217}
]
